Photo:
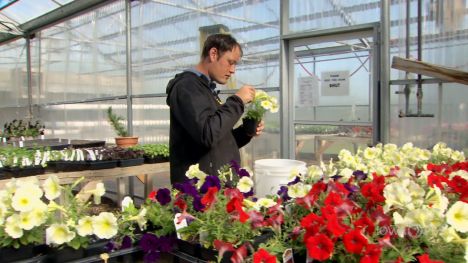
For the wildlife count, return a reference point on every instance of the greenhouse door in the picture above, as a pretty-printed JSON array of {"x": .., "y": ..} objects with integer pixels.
[{"x": 331, "y": 88}]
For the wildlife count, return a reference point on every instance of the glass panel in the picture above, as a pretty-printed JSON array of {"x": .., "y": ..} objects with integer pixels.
[
  {"x": 151, "y": 120},
  {"x": 83, "y": 58},
  {"x": 332, "y": 82},
  {"x": 323, "y": 14},
  {"x": 25, "y": 10},
  {"x": 81, "y": 121},
  {"x": 13, "y": 74},
  {"x": 323, "y": 142}
]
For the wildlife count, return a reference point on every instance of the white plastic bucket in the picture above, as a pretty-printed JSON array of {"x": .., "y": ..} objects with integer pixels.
[{"x": 271, "y": 174}]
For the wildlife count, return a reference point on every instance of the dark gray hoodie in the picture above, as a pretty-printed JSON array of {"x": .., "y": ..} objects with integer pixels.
[{"x": 201, "y": 129}]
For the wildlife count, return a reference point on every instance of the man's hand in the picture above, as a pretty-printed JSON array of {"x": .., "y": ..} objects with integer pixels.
[
  {"x": 246, "y": 93},
  {"x": 260, "y": 128}
]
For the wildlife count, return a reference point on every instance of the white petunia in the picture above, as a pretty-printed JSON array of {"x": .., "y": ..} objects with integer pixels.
[
  {"x": 265, "y": 202},
  {"x": 345, "y": 174},
  {"x": 98, "y": 193},
  {"x": 52, "y": 187},
  {"x": 141, "y": 219},
  {"x": 26, "y": 221},
  {"x": 315, "y": 173},
  {"x": 457, "y": 216},
  {"x": 195, "y": 172},
  {"x": 437, "y": 200},
  {"x": 12, "y": 227},
  {"x": 3, "y": 211},
  {"x": 105, "y": 225},
  {"x": 127, "y": 201},
  {"x": 298, "y": 190},
  {"x": 371, "y": 153},
  {"x": 245, "y": 184},
  {"x": 449, "y": 234},
  {"x": 85, "y": 226},
  {"x": 59, "y": 234},
  {"x": 293, "y": 174},
  {"x": 22, "y": 201},
  {"x": 462, "y": 173}
]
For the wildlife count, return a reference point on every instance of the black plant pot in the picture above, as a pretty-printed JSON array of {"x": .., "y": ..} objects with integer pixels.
[
  {"x": 66, "y": 254},
  {"x": 211, "y": 255},
  {"x": 24, "y": 171},
  {"x": 157, "y": 159},
  {"x": 1, "y": 173},
  {"x": 10, "y": 254},
  {"x": 192, "y": 249},
  {"x": 71, "y": 166},
  {"x": 250, "y": 126},
  {"x": 97, "y": 165},
  {"x": 130, "y": 162}
]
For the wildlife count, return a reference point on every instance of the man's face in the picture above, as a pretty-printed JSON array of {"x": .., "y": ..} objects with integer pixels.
[{"x": 222, "y": 67}]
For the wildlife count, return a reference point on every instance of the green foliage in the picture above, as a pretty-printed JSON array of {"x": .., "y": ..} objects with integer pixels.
[
  {"x": 260, "y": 105},
  {"x": 115, "y": 121},
  {"x": 161, "y": 217},
  {"x": 18, "y": 128},
  {"x": 153, "y": 150}
]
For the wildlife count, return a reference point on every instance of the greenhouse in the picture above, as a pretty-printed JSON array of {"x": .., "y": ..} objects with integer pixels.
[{"x": 358, "y": 153}]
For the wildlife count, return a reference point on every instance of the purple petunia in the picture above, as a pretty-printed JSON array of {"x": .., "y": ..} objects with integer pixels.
[
  {"x": 152, "y": 256},
  {"x": 235, "y": 165},
  {"x": 126, "y": 242},
  {"x": 163, "y": 196},
  {"x": 197, "y": 204},
  {"x": 210, "y": 181},
  {"x": 166, "y": 243},
  {"x": 187, "y": 188},
  {"x": 283, "y": 193},
  {"x": 243, "y": 172},
  {"x": 360, "y": 175},
  {"x": 296, "y": 180},
  {"x": 149, "y": 242}
]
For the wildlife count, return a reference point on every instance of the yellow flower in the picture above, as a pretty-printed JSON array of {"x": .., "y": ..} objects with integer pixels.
[
  {"x": 22, "y": 201},
  {"x": 26, "y": 221},
  {"x": 457, "y": 216},
  {"x": 59, "y": 234},
  {"x": 51, "y": 187},
  {"x": 85, "y": 226},
  {"x": 249, "y": 204},
  {"x": 314, "y": 172},
  {"x": 265, "y": 202},
  {"x": 372, "y": 153},
  {"x": 245, "y": 184},
  {"x": 298, "y": 190},
  {"x": 195, "y": 172},
  {"x": 401, "y": 223},
  {"x": 449, "y": 234},
  {"x": 105, "y": 225},
  {"x": 266, "y": 104},
  {"x": 346, "y": 173},
  {"x": 12, "y": 227}
]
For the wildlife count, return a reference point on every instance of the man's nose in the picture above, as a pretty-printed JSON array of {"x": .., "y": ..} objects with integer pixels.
[{"x": 232, "y": 69}]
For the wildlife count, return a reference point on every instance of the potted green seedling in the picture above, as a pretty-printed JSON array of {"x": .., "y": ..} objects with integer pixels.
[{"x": 123, "y": 139}]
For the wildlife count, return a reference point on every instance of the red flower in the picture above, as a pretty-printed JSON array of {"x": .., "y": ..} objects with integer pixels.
[
  {"x": 235, "y": 204},
  {"x": 222, "y": 247},
  {"x": 436, "y": 180},
  {"x": 152, "y": 195},
  {"x": 365, "y": 223},
  {"x": 239, "y": 254},
  {"x": 425, "y": 259},
  {"x": 312, "y": 222},
  {"x": 458, "y": 184},
  {"x": 181, "y": 204},
  {"x": 372, "y": 254},
  {"x": 319, "y": 247},
  {"x": 263, "y": 256},
  {"x": 335, "y": 227},
  {"x": 354, "y": 241},
  {"x": 210, "y": 197},
  {"x": 333, "y": 199}
]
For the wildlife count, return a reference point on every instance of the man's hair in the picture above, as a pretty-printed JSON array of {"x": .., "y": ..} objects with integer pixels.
[{"x": 222, "y": 42}]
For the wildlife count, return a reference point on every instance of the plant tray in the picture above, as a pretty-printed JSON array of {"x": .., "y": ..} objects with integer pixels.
[
  {"x": 70, "y": 166},
  {"x": 86, "y": 143},
  {"x": 157, "y": 159},
  {"x": 24, "y": 171},
  {"x": 97, "y": 165},
  {"x": 130, "y": 162}
]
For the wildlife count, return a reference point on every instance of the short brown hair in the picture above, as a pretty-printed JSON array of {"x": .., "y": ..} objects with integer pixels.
[{"x": 222, "y": 42}]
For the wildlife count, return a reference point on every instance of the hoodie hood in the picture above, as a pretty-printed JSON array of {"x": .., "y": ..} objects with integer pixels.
[{"x": 175, "y": 81}]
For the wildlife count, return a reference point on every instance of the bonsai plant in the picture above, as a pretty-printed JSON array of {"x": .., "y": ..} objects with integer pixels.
[{"x": 123, "y": 140}]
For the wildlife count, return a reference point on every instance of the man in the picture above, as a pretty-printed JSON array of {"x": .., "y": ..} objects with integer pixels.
[{"x": 201, "y": 128}]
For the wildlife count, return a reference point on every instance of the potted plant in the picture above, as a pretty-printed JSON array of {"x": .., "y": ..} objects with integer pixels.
[
  {"x": 123, "y": 140},
  {"x": 257, "y": 108}
]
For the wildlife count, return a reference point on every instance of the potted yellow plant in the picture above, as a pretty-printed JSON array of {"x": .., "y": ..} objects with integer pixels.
[
  {"x": 123, "y": 139},
  {"x": 257, "y": 108}
]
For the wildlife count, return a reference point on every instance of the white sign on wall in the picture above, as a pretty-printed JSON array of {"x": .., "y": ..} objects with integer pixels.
[
  {"x": 335, "y": 83},
  {"x": 307, "y": 95}
]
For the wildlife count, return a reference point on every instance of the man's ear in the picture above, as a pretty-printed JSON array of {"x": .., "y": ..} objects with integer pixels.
[{"x": 213, "y": 54}]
